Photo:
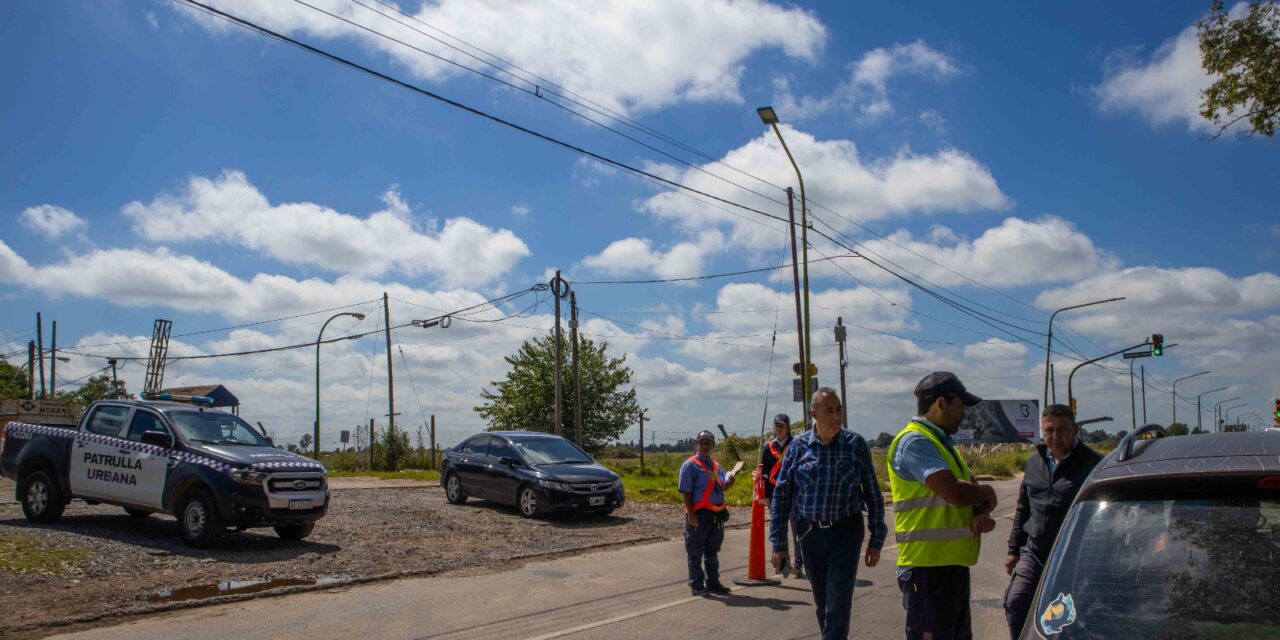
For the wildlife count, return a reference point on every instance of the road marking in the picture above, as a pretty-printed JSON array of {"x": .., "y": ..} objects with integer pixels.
[{"x": 619, "y": 618}]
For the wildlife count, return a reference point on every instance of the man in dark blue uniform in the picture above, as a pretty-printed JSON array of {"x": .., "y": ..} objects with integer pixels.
[{"x": 702, "y": 485}]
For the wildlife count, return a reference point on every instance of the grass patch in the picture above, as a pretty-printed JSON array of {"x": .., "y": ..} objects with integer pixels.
[
  {"x": 408, "y": 474},
  {"x": 23, "y": 554}
]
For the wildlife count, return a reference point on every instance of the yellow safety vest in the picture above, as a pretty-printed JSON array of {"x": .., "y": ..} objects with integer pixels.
[{"x": 930, "y": 531}]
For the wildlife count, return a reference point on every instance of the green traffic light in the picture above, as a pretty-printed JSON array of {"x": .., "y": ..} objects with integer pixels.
[{"x": 1158, "y": 352}]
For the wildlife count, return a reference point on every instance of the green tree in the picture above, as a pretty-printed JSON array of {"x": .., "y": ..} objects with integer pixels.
[
  {"x": 96, "y": 388},
  {"x": 13, "y": 381},
  {"x": 882, "y": 441},
  {"x": 525, "y": 399},
  {"x": 1176, "y": 429},
  {"x": 1243, "y": 56}
]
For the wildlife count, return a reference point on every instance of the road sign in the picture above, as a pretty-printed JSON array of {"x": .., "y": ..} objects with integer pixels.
[
  {"x": 344, "y": 436},
  {"x": 813, "y": 369},
  {"x": 797, "y": 388},
  {"x": 1137, "y": 354}
]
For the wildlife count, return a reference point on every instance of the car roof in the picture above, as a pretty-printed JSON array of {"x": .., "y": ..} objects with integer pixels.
[
  {"x": 521, "y": 435},
  {"x": 1189, "y": 456},
  {"x": 160, "y": 405}
]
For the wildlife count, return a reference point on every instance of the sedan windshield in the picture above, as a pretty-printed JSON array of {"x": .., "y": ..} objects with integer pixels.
[
  {"x": 551, "y": 451},
  {"x": 1166, "y": 567},
  {"x": 215, "y": 427}
]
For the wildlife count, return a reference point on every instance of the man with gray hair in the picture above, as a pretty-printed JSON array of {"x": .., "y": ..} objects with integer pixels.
[{"x": 827, "y": 475}]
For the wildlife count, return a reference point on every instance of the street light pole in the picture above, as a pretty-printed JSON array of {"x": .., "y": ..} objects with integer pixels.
[
  {"x": 769, "y": 117},
  {"x": 1048, "y": 347},
  {"x": 315, "y": 445},
  {"x": 1217, "y": 416},
  {"x": 1174, "y": 393},
  {"x": 1226, "y": 411},
  {"x": 1199, "y": 424}
]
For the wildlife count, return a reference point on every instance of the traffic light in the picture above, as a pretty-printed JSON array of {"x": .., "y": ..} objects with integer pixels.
[
  {"x": 1073, "y": 406},
  {"x": 1157, "y": 344},
  {"x": 1276, "y": 416}
]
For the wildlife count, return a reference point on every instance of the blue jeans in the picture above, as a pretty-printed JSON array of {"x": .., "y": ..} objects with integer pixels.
[
  {"x": 1021, "y": 589},
  {"x": 702, "y": 546},
  {"x": 831, "y": 558}
]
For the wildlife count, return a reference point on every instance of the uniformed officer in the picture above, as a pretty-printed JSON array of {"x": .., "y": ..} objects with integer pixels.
[
  {"x": 771, "y": 461},
  {"x": 827, "y": 474},
  {"x": 939, "y": 512},
  {"x": 702, "y": 485}
]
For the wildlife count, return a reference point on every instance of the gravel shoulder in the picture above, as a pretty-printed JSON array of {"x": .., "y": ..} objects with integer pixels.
[{"x": 373, "y": 531}]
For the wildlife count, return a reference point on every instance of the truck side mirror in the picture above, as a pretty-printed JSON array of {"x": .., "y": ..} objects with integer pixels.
[{"x": 157, "y": 438}]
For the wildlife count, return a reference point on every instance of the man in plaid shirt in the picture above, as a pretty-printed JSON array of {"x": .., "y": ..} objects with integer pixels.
[{"x": 827, "y": 473}]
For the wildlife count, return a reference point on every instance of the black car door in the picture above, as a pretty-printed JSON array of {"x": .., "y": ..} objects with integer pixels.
[
  {"x": 471, "y": 465},
  {"x": 502, "y": 479}
]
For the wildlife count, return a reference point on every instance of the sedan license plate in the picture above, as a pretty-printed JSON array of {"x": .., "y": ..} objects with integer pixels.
[
  {"x": 299, "y": 504},
  {"x": 595, "y": 501}
]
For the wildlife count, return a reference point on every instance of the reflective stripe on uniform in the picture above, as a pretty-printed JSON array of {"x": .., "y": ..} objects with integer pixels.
[
  {"x": 932, "y": 535},
  {"x": 918, "y": 503}
]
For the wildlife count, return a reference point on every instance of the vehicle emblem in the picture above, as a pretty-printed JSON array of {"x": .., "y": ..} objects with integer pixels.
[
  {"x": 299, "y": 484},
  {"x": 595, "y": 487}
]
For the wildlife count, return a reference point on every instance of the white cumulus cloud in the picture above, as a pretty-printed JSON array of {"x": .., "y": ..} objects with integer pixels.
[
  {"x": 637, "y": 255},
  {"x": 51, "y": 221},
  {"x": 231, "y": 209},
  {"x": 866, "y": 88}
]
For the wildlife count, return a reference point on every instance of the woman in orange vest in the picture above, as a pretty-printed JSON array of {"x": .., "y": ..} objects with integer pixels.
[
  {"x": 771, "y": 461},
  {"x": 702, "y": 485}
]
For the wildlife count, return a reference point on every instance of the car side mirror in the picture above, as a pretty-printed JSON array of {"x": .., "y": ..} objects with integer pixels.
[
  {"x": 510, "y": 462},
  {"x": 270, "y": 443},
  {"x": 157, "y": 438}
]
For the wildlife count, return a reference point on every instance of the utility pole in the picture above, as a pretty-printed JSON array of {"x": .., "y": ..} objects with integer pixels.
[
  {"x": 53, "y": 363},
  {"x": 372, "y": 439},
  {"x": 1143, "y": 369},
  {"x": 115, "y": 383},
  {"x": 795, "y": 276},
  {"x": 577, "y": 377},
  {"x": 40, "y": 350},
  {"x": 844, "y": 402},
  {"x": 433, "y": 442},
  {"x": 391, "y": 380},
  {"x": 1053, "y": 386},
  {"x": 556, "y": 284},
  {"x": 31, "y": 369},
  {"x": 642, "y": 417}
]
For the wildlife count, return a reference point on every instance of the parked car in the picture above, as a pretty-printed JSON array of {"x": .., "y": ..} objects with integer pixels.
[
  {"x": 537, "y": 473},
  {"x": 1169, "y": 538},
  {"x": 208, "y": 468}
]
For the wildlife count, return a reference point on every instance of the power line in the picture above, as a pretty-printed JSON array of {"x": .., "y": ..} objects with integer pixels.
[{"x": 705, "y": 277}]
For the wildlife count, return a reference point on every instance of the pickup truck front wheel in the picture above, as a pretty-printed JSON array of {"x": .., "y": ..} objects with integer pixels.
[
  {"x": 42, "y": 499},
  {"x": 199, "y": 522}
]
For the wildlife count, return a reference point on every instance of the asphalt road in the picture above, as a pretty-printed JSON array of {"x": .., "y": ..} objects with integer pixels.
[{"x": 635, "y": 592}]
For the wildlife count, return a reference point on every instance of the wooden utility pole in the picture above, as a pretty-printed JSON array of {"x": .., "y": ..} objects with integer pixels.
[
  {"x": 372, "y": 439},
  {"x": 433, "y": 442},
  {"x": 642, "y": 417},
  {"x": 844, "y": 402},
  {"x": 556, "y": 283},
  {"x": 115, "y": 382},
  {"x": 391, "y": 379},
  {"x": 40, "y": 350},
  {"x": 577, "y": 376},
  {"x": 53, "y": 362},
  {"x": 31, "y": 369}
]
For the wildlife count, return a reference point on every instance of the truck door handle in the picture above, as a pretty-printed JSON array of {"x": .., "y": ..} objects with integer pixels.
[{"x": 125, "y": 451}]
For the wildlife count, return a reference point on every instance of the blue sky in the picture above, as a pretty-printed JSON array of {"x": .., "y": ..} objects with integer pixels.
[{"x": 162, "y": 163}]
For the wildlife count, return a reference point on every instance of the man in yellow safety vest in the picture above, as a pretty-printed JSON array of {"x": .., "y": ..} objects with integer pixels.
[{"x": 939, "y": 512}]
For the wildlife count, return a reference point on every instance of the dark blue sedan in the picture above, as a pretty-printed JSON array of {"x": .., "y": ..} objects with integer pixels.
[{"x": 537, "y": 473}]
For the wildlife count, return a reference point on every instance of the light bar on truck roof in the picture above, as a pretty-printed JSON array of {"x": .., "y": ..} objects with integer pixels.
[{"x": 176, "y": 398}]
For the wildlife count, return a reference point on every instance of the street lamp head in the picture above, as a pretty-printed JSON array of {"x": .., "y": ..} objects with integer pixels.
[
  {"x": 358, "y": 316},
  {"x": 767, "y": 115}
]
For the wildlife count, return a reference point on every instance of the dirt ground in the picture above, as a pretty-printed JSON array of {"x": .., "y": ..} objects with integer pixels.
[{"x": 137, "y": 566}]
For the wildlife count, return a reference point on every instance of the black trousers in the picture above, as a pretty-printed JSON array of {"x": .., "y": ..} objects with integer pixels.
[
  {"x": 702, "y": 548},
  {"x": 937, "y": 603},
  {"x": 831, "y": 558},
  {"x": 1021, "y": 589}
]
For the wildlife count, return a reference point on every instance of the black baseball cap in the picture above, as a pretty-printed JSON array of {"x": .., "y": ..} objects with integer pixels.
[
  {"x": 782, "y": 418},
  {"x": 706, "y": 435},
  {"x": 941, "y": 383}
]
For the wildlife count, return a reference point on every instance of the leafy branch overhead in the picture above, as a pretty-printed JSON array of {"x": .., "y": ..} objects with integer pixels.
[
  {"x": 1242, "y": 54},
  {"x": 525, "y": 399}
]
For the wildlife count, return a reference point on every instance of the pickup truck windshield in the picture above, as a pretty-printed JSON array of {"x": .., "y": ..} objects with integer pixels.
[
  {"x": 551, "y": 451},
  {"x": 215, "y": 427},
  {"x": 1160, "y": 566}
]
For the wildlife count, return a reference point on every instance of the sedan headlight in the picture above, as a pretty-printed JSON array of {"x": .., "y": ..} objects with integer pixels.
[
  {"x": 617, "y": 484},
  {"x": 247, "y": 476},
  {"x": 552, "y": 484}
]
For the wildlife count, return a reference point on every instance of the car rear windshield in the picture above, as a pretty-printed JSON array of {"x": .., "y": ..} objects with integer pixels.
[
  {"x": 551, "y": 451},
  {"x": 1191, "y": 561},
  {"x": 215, "y": 427}
]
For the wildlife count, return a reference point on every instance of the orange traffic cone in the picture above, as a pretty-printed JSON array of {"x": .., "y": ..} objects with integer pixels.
[{"x": 756, "y": 576}]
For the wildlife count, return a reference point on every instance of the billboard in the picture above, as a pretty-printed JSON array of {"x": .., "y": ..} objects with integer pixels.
[{"x": 993, "y": 421}]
